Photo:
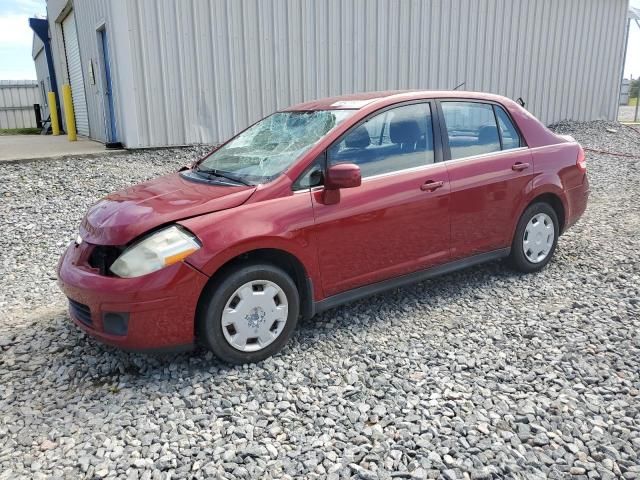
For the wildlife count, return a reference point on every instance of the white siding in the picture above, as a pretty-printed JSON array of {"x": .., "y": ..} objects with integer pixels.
[
  {"x": 56, "y": 11},
  {"x": 208, "y": 69},
  {"x": 90, "y": 16},
  {"x": 42, "y": 74},
  {"x": 200, "y": 70},
  {"x": 93, "y": 15},
  {"x": 76, "y": 77},
  {"x": 17, "y": 98}
]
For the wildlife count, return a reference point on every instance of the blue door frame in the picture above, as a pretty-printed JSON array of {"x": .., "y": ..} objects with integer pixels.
[{"x": 112, "y": 135}]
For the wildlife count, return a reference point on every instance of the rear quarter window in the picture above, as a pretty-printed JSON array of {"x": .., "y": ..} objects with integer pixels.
[{"x": 510, "y": 136}]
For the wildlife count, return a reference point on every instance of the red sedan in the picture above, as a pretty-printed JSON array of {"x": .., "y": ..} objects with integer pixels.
[{"x": 317, "y": 205}]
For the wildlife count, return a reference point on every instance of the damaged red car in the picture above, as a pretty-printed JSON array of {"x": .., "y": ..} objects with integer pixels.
[{"x": 320, "y": 204}]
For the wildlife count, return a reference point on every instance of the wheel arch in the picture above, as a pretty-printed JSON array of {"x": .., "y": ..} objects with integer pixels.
[
  {"x": 551, "y": 194},
  {"x": 280, "y": 258},
  {"x": 556, "y": 203}
]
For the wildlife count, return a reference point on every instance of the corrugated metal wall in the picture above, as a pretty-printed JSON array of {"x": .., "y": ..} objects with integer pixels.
[
  {"x": 17, "y": 98},
  {"x": 200, "y": 70},
  {"x": 75, "y": 69},
  {"x": 92, "y": 15},
  {"x": 205, "y": 69},
  {"x": 56, "y": 11},
  {"x": 42, "y": 74}
]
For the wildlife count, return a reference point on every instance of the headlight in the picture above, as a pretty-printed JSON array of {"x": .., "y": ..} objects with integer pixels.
[{"x": 158, "y": 250}]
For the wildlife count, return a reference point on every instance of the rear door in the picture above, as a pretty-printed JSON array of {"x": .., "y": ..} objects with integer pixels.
[
  {"x": 397, "y": 221},
  {"x": 489, "y": 168}
]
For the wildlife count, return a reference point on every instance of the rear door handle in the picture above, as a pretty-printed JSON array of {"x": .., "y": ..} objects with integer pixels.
[
  {"x": 518, "y": 167},
  {"x": 430, "y": 185}
]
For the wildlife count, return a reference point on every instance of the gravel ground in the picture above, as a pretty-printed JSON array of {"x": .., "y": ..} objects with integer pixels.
[{"x": 480, "y": 374}]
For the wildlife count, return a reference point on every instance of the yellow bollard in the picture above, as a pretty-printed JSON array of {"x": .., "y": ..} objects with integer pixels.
[
  {"x": 68, "y": 113},
  {"x": 53, "y": 111}
]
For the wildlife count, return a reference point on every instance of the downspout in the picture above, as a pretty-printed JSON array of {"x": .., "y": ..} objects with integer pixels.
[{"x": 41, "y": 28}]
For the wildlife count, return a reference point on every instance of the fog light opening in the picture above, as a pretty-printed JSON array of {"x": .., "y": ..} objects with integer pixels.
[{"x": 115, "y": 323}]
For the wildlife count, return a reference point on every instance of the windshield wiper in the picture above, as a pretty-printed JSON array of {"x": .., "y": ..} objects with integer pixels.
[{"x": 225, "y": 175}]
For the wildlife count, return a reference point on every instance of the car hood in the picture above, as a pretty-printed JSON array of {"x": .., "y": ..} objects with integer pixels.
[{"x": 122, "y": 216}]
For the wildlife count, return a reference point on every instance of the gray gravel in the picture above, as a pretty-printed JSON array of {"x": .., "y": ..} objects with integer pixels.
[
  {"x": 42, "y": 204},
  {"x": 480, "y": 374}
]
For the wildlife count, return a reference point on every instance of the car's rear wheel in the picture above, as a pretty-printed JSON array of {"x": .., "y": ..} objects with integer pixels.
[
  {"x": 535, "y": 239},
  {"x": 249, "y": 313}
]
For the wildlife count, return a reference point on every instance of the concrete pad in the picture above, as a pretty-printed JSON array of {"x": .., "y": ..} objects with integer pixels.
[{"x": 26, "y": 147}]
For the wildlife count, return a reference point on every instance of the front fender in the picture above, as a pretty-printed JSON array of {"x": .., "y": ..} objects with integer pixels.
[{"x": 283, "y": 224}]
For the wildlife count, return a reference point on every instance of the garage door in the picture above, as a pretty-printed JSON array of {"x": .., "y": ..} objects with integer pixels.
[{"x": 74, "y": 67}]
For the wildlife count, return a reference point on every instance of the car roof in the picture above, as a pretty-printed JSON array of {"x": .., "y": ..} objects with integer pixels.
[{"x": 357, "y": 101}]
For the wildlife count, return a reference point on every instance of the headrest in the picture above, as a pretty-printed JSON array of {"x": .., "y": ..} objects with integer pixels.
[
  {"x": 488, "y": 134},
  {"x": 404, "y": 131},
  {"x": 358, "y": 138}
]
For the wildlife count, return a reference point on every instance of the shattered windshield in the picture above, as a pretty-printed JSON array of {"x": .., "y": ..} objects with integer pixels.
[{"x": 262, "y": 152}]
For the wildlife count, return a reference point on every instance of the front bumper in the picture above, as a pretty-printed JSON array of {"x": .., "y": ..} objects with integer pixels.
[{"x": 158, "y": 309}]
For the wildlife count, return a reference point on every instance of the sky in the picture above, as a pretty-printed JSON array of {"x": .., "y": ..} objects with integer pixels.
[
  {"x": 632, "y": 65},
  {"x": 16, "y": 37}
]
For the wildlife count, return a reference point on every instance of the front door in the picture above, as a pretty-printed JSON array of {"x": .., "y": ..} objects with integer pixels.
[{"x": 397, "y": 221}]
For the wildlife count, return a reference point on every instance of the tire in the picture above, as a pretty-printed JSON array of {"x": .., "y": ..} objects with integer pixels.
[
  {"x": 538, "y": 237},
  {"x": 239, "y": 305}
]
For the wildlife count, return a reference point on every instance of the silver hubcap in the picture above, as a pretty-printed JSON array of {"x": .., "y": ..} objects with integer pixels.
[
  {"x": 255, "y": 315},
  {"x": 538, "y": 238}
]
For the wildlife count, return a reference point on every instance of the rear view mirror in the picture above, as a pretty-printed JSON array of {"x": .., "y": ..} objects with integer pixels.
[{"x": 343, "y": 175}]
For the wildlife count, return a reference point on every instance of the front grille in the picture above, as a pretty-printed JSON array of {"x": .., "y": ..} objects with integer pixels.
[
  {"x": 80, "y": 311},
  {"x": 103, "y": 256}
]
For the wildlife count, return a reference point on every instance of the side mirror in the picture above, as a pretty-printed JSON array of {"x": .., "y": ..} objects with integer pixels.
[{"x": 343, "y": 175}]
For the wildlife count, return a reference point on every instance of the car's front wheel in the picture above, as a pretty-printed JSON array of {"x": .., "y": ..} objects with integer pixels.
[
  {"x": 249, "y": 313},
  {"x": 535, "y": 239}
]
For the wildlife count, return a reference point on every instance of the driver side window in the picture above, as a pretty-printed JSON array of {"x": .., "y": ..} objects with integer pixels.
[{"x": 396, "y": 139}]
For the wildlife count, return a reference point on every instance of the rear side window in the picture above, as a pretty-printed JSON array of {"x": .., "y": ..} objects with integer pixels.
[
  {"x": 471, "y": 128},
  {"x": 394, "y": 140},
  {"x": 510, "y": 136}
]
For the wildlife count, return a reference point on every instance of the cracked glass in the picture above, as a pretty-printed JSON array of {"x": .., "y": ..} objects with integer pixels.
[{"x": 265, "y": 150}]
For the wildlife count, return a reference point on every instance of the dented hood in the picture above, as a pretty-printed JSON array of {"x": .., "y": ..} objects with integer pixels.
[{"x": 122, "y": 216}]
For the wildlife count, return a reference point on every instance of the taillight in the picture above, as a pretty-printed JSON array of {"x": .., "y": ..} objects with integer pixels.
[{"x": 582, "y": 162}]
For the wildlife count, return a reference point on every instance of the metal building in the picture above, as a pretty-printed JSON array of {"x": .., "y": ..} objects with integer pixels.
[
  {"x": 161, "y": 72},
  {"x": 42, "y": 73},
  {"x": 17, "y": 98}
]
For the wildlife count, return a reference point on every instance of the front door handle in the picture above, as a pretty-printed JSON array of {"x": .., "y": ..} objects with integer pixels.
[
  {"x": 519, "y": 166},
  {"x": 430, "y": 185}
]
